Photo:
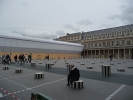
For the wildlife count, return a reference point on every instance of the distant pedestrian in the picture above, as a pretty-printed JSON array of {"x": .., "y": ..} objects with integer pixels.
[
  {"x": 111, "y": 56},
  {"x": 20, "y": 58},
  {"x": 29, "y": 58},
  {"x": 15, "y": 58},
  {"x": 8, "y": 59}
]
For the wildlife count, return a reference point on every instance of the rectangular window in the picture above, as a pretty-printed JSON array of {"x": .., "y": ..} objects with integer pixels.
[
  {"x": 103, "y": 43},
  {"x": 112, "y": 42},
  {"x": 122, "y": 42},
  {"x": 95, "y": 44},
  {"x": 91, "y": 44},
  {"x": 108, "y": 43},
  {"x": 128, "y": 42},
  {"x": 88, "y": 44},
  {"x": 117, "y": 42},
  {"x": 99, "y": 44}
]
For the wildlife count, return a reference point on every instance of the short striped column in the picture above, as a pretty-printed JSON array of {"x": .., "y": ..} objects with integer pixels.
[
  {"x": 89, "y": 67},
  {"x": 77, "y": 84},
  {"x": 39, "y": 75},
  {"x": 48, "y": 66},
  {"x": 130, "y": 67},
  {"x": 121, "y": 70},
  {"x": 21, "y": 63},
  {"x": 69, "y": 67},
  {"x": 13, "y": 62},
  {"x": 33, "y": 64},
  {"x": 5, "y": 68},
  {"x": 106, "y": 71},
  {"x": 18, "y": 70},
  {"x": 52, "y": 63}
]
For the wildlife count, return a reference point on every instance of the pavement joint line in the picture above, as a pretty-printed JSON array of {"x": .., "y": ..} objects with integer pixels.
[
  {"x": 5, "y": 71},
  {"x": 17, "y": 76},
  {"x": 114, "y": 93},
  {"x": 35, "y": 86}
]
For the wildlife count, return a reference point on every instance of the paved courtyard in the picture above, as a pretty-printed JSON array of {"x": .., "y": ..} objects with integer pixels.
[{"x": 96, "y": 87}]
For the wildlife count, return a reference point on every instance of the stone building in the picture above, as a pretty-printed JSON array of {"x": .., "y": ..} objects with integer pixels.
[{"x": 117, "y": 41}]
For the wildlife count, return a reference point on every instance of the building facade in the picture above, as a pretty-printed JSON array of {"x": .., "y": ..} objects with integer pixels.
[{"x": 116, "y": 41}]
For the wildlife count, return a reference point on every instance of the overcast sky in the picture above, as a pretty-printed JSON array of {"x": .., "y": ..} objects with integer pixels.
[{"x": 50, "y": 19}]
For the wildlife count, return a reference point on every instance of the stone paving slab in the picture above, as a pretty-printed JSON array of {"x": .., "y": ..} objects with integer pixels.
[
  {"x": 115, "y": 77},
  {"x": 54, "y": 85},
  {"x": 125, "y": 94}
]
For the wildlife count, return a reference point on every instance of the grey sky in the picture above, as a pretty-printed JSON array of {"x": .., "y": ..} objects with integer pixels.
[{"x": 53, "y": 18}]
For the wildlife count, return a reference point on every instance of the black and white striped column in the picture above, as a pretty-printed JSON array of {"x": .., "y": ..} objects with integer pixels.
[
  {"x": 5, "y": 68},
  {"x": 39, "y": 75},
  {"x": 13, "y": 62},
  {"x": 21, "y": 63},
  {"x": 89, "y": 67},
  {"x": 106, "y": 71},
  {"x": 18, "y": 70},
  {"x": 69, "y": 67},
  {"x": 121, "y": 69},
  {"x": 130, "y": 66},
  {"x": 33, "y": 64},
  {"x": 77, "y": 84},
  {"x": 48, "y": 66}
]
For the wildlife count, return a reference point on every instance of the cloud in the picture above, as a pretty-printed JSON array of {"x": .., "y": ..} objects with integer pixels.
[
  {"x": 36, "y": 34},
  {"x": 84, "y": 22},
  {"x": 24, "y": 4},
  {"x": 106, "y": 26},
  {"x": 60, "y": 32},
  {"x": 126, "y": 15},
  {"x": 68, "y": 26}
]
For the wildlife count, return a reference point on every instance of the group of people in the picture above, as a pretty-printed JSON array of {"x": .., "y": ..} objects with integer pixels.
[
  {"x": 47, "y": 57},
  {"x": 22, "y": 58},
  {"x": 6, "y": 59}
]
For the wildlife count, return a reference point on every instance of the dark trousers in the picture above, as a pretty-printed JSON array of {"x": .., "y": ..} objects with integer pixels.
[
  {"x": 70, "y": 79},
  {"x": 29, "y": 59}
]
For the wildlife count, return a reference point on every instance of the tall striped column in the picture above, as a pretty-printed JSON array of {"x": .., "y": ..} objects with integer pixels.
[
  {"x": 106, "y": 71},
  {"x": 69, "y": 67}
]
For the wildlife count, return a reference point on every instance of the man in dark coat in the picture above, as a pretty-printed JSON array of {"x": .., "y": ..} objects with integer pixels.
[
  {"x": 29, "y": 58},
  {"x": 73, "y": 75},
  {"x": 15, "y": 58},
  {"x": 8, "y": 59}
]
